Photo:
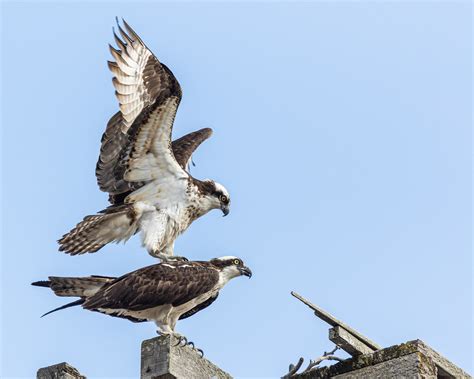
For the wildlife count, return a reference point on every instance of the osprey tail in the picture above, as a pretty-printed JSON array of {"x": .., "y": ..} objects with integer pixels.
[
  {"x": 115, "y": 224},
  {"x": 81, "y": 287}
]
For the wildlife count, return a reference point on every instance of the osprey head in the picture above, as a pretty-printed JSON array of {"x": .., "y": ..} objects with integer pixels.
[
  {"x": 217, "y": 195},
  {"x": 231, "y": 267}
]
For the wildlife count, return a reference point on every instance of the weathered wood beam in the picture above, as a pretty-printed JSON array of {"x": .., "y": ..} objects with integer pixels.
[
  {"x": 331, "y": 320},
  {"x": 347, "y": 342},
  {"x": 163, "y": 359}
]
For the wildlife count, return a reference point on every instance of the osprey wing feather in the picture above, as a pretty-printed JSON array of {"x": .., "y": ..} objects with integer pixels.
[
  {"x": 140, "y": 80},
  {"x": 148, "y": 96},
  {"x": 114, "y": 140},
  {"x": 184, "y": 147}
]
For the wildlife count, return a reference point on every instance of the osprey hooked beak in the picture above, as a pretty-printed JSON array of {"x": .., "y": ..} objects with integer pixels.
[
  {"x": 245, "y": 271},
  {"x": 225, "y": 209}
]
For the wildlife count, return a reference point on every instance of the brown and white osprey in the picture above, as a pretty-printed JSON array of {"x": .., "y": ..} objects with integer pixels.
[
  {"x": 144, "y": 173},
  {"x": 163, "y": 293}
]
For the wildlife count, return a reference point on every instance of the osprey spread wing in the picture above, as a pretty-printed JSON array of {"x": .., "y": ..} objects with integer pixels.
[
  {"x": 145, "y": 173},
  {"x": 163, "y": 293}
]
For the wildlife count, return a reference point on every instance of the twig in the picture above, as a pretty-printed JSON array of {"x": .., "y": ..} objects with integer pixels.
[
  {"x": 327, "y": 356},
  {"x": 336, "y": 348},
  {"x": 294, "y": 368}
]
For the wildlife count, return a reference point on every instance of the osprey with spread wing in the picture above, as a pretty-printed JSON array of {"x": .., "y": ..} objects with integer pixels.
[
  {"x": 163, "y": 293},
  {"x": 145, "y": 173}
]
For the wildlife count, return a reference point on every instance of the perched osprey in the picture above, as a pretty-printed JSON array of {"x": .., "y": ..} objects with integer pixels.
[
  {"x": 145, "y": 173},
  {"x": 163, "y": 293}
]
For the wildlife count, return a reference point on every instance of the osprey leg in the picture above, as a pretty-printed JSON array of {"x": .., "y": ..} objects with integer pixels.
[{"x": 170, "y": 258}]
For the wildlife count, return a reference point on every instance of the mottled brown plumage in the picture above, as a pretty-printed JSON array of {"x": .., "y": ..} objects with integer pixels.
[
  {"x": 155, "y": 285},
  {"x": 185, "y": 146}
]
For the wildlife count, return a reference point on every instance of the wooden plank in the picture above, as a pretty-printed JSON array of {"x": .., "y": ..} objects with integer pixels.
[
  {"x": 347, "y": 342},
  {"x": 331, "y": 320}
]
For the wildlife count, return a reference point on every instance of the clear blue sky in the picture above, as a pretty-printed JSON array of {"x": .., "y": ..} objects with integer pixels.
[{"x": 342, "y": 130}]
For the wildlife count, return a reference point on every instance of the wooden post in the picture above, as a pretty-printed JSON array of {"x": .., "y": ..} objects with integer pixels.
[
  {"x": 162, "y": 359},
  {"x": 59, "y": 371}
]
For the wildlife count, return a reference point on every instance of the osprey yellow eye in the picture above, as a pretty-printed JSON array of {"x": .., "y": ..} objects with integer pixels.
[
  {"x": 223, "y": 198},
  {"x": 236, "y": 262}
]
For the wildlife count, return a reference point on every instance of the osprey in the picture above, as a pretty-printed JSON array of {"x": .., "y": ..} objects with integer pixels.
[
  {"x": 163, "y": 293},
  {"x": 145, "y": 174}
]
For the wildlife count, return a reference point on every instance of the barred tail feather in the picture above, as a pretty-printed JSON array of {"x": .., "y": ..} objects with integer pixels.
[
  {"x": 96, "y": 231},
  {"x": 80, "y": 287},
  {"x": 42, "y": 283}
]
